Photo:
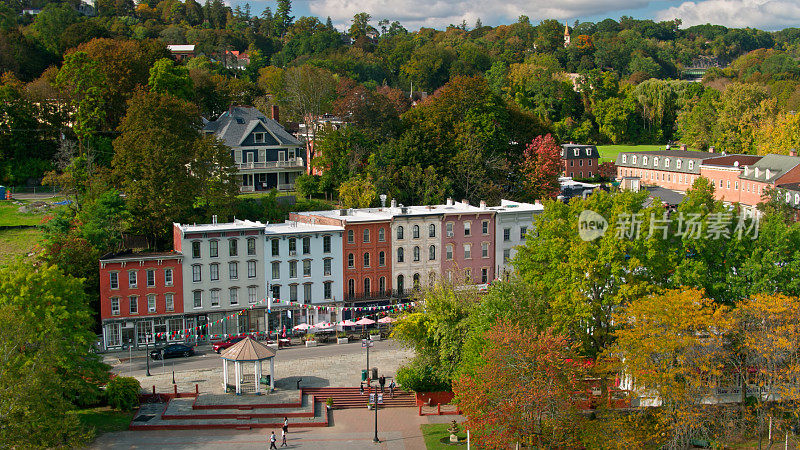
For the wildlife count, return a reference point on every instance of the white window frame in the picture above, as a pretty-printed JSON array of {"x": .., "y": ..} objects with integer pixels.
[
  {"x": 169, "y": 302},
  {"x": 115, "y": 306}
]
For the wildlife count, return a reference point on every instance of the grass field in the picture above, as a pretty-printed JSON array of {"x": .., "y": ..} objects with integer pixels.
[
  {"x": 10, "y": 215},
  {"x": 610, "y": 152},
  {"x": 432, "y": 433},
  {"x": 18, "y": 242},
  {"x": 104, "y": 419}
]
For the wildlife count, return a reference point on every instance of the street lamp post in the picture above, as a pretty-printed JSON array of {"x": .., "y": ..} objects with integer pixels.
[
  {"x": 375, "y": 405},
  {"x": 147, "y": 352}
]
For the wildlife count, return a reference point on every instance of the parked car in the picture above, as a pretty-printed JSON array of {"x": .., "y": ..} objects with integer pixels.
[
  {"x": 219, "y": 346},
  {"x": 172, "y": 351}
]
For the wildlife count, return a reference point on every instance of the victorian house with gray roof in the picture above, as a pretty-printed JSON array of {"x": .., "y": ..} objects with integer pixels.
[{"x": 266, "y": 155}]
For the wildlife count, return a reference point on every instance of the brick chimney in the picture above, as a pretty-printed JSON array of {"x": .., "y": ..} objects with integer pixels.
[
  {"x": 276, "y": 116},
  {"x": 483, "y": 204},
  {"x": 683, "y": 147},
  {"x": 465, "y": 201},
  {"x": 793, "y": 152}
]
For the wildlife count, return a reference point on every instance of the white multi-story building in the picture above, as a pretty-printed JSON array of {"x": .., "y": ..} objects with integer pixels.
[
  {"x": 512, "y": 221},
  {"x": 416, "y": 246},
  {"x": 223, "y": 272},
  {"x": 303, "y": 264}
]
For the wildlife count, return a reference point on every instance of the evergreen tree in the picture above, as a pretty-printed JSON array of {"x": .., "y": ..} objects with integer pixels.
[{"x": 282, "y": 17}]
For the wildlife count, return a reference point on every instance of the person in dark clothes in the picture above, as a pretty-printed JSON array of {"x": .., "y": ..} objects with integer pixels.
[
  {"x": 391, "y": 388},
  {"x": 272, "y": 440},
  {"x": 283, "y": 436},
  {"x": 382, "y": 382},
  {"x": 362, "y": 388}
]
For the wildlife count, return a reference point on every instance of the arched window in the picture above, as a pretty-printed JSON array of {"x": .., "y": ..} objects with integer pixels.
[
  {"x": 400, "y": 288},
  {"x": 351, "y": 287},
  {"x": 416, "y": 253},
  {"x": 351, "y": 260},
  {"x": 366, "y": 235},
  {"x": 381, "y": 235},
  {"x": 382, "y": 285},
  {"x": 400, "y": 256},
  {"x": 415, "y": 232},
  {"x": 366, "y": 259},
  {"x": 416, "y": 281},
  {"x": 431, "y": 230},
  {"x": 382, "y": 258},
  {"x": 400, "y": 232},
  {"x": 367, "y": 287},
  {"x": 351, "y": 236},
  {"x": 432, "y": 253}
]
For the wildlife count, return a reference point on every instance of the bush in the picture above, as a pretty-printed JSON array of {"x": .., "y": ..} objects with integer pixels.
[
  {"x": 341, "y": 334},
  {"x": 123, "y": 393},
  {"x": 421, "y": 378},
  {"x": 311, "y": 337}
]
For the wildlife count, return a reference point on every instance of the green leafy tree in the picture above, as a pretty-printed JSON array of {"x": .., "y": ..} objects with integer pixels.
[
  {"x": 214, "y": 174},
  {"x": 152, "y": 155},
  {"x": 357, "y": 193},
  {"x": 167, "y": 78},
  {"x": 83, "y": 80},
  {"x": 361, "y": 27},
  {"x": 123, "y": 393}
]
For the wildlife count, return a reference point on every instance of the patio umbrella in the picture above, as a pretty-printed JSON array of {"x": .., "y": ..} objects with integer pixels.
[
  {"x": 387, "y": 319},
  {"x": 302, "y": 327},
  {"x": 364, "y": 321},
  {"x": 323, "y": 325},
  {"x": 347, "y": 323}
]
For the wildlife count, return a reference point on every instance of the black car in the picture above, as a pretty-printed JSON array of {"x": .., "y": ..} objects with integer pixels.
[{"x": 172, "y": 351}]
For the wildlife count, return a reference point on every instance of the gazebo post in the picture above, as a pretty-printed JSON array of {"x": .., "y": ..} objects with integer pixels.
[
  {"x": 272, "y": 373},
  {"x": 238, "y": 377},
  {"x": 258, "y": 378},
  {"x": 224, "y": 375}
]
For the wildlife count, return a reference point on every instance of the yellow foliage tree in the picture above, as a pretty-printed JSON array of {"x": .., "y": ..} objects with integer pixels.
[{"x": 779, "y": 134}]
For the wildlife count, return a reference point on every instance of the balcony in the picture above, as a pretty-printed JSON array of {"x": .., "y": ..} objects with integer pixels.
[{"x": 296, "y": 163}]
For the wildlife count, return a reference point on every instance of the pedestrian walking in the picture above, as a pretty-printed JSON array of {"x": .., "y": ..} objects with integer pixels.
[
  {"x": 283, "y": 436},
  {"x": 391, "y": 388},
  {"x": 272, "y": 440},
  {"x": 362, "y": 388},
  {"x": 382, "y": 382}
]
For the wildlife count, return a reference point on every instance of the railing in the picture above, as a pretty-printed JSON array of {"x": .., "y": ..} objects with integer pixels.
[{"x": 297, "y": 162}]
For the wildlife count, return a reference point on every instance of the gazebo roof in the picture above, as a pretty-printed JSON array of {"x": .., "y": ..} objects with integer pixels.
[{"x": 248, "y": 349}]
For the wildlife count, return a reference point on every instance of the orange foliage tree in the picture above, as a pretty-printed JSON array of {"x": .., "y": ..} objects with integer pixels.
[{"x": 524, "y": 390}]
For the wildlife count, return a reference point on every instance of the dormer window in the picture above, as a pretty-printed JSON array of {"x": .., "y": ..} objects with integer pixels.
[
  {"x": 666, "y": 162},
  {"x": 746, "y": 170},
  {"x": 678, "y": 164},
  {"x": 756, "y": 172},
  {"x": 562, "y": 152},
  {"x": 577, "y": 152},
  {"x": 588, "y": 152},
  {"x": 691, "y": 165},
  {"x": 655, "y": 161},
  {"x": 259, "y": 138},
  {"x": 766, "y": 174},
  {"x": 796, "y": 198},
  {"x": 624, "y": 159},
  {"x": 633, "y": 159},
  {"x": 788, "y": 197},
  {"x": 644, "y": 160}
]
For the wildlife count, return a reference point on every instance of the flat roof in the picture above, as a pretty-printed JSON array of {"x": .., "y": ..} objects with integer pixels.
[
  {"x": 512, "y": 206},
  {"x": 221, "y": 226},
  {"x": 126, "y": 256},
  {"x": 389, "y": 212},
  {"x": 290, "y": 227}
]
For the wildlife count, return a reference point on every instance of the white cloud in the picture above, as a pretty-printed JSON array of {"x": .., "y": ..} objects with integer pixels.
[
  {"x": 440, "y": 13},
  {"x": 763, "y": 14}
]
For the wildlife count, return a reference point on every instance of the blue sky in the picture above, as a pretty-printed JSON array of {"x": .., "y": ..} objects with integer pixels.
[{"x": 764, "y": 14}]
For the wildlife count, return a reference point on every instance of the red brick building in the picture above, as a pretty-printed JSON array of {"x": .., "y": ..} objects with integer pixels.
[
  {"x": 725, "y": 173},
  {"x": 141, "y": 294},
  {"x": 580, "y": 161},
  {"x": 366, "y": 249}
]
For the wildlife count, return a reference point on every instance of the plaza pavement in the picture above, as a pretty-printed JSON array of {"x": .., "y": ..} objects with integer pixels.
[{"x": 398, "y": 429}]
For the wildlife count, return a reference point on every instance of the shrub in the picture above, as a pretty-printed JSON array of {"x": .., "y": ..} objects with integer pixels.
[
  {"x": 310, "y": 337},
  {"x": 341, "y": 334},
  {"x": 123, "y": 393},
  {"x": 421, "y": 378}
]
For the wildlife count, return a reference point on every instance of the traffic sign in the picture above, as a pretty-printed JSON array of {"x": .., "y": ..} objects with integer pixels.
[{"x": 367, "y": 343}]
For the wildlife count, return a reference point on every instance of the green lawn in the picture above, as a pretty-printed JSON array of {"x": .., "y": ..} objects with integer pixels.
[
  {"x": 433, "y": 432},
  {"x": 104, "y": 419},
  {"x": 610, "y": 152},
  {"x": 17, "y": 242},
  {"x": 10, "y": 215}
]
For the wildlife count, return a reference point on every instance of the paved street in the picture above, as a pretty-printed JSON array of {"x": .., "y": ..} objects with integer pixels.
[
  {"x": 398, "y": 428},
  {"x": 326, "y": 365}
]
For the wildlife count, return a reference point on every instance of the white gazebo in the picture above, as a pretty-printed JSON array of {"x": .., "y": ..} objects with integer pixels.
[{"x": 244, "y": 351}]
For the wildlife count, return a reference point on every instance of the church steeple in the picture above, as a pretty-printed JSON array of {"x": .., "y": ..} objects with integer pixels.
[{"x": 567, "y": 39}]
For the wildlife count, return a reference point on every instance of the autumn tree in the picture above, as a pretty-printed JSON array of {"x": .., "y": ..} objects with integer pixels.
[
  {"x": 167, "y": 78},
  {"x": 524, "y": 390},
  {"x": 541, "y": 168},
  {"x": 670, "y": 347}
]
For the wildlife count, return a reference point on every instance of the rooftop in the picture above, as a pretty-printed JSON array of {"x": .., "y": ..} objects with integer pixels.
[
  {"x": 181, "y": 47},
  {"x": 224, "y": 226},
  {"x": 129, "y": 255},
  {"x": 235, "y": 124},
  {"x": 585, "y": 151},
  {"x": 734, "y": 160},
  {"x": 289, "y": 227},
  {"x": 512, "y": 206},
  {"x": 770, "y": 168},
  {"x": 676, "y": 154},
  {"x": 389, "y": 212}
]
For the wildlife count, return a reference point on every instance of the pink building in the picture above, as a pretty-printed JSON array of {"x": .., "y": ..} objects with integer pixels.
[{"x": 468, "y": 243}]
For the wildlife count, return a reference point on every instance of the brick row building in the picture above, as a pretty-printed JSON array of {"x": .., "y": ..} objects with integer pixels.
[{"x": 219, "y": 275}]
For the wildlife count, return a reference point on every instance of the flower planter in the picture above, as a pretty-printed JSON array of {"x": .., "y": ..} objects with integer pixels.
[
  {"x": 311, "y": 343},
  {"x": 342, "y": 340},
  {"x": 375, "y": 337}
]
